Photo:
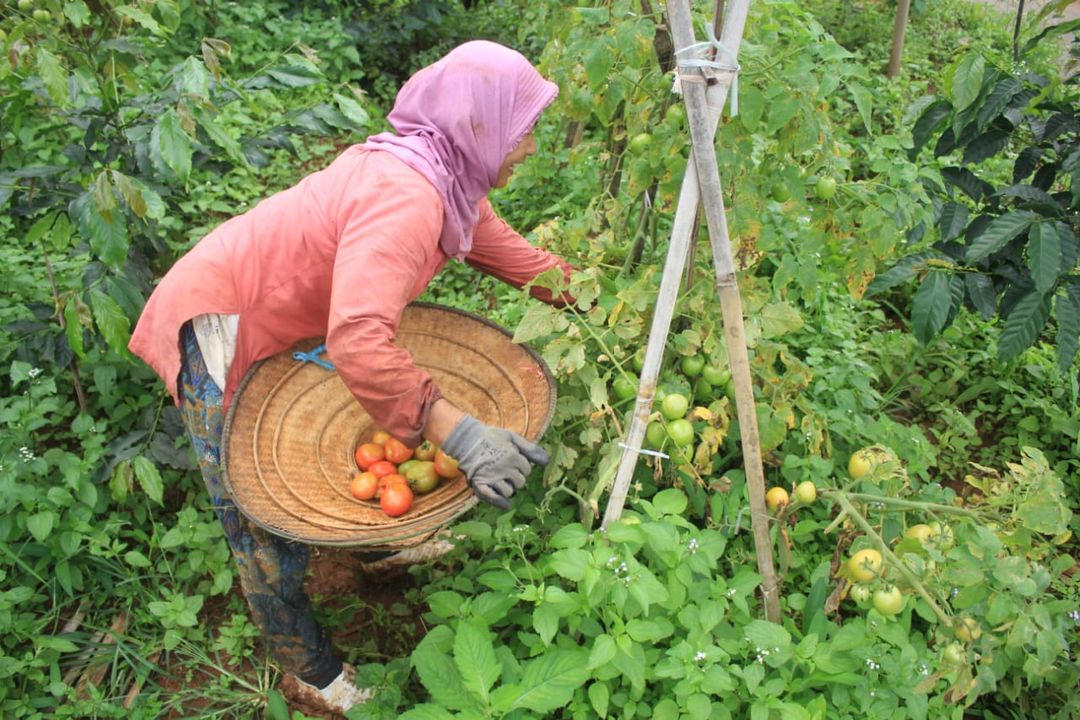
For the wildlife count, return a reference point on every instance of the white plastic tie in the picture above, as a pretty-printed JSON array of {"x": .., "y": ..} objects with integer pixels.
[
  {"x": 707, "y": 55},
  {"x": 643, "y": 451}
]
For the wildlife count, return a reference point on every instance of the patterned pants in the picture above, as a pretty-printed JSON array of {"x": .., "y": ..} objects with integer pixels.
[{"x": 271, "y": 569}]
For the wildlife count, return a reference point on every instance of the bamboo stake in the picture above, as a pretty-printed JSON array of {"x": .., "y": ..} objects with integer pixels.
[
  {"x": 701, "y": 133},
  {"x": 684, "y": 228}
]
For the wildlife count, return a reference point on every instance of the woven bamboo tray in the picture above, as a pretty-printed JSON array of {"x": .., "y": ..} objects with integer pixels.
[{"x": 292, "y": 427}]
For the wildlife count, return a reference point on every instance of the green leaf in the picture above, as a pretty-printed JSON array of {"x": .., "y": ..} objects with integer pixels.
[
  {"x": 208, "y": 122},
  {"x": 602, "y": 652},
  {"x": 998, "y": 233},
  {"x": 780, "y": 111},
  {"x": 1068, "y": 318},
  {"x": 569, "y": 563},
  {"x": 954, "y": 218},
  {"x": 276, "y": 707},
  {"x": 997, "y": 100},
  {"x": 599, "y": 696},
  {"x": 136, "y": 559},
  {"x": 751, "y": 106},
  {"x": 1023, "y": 325},
  {"x": 131, "y": 194},
  {"x": 53, "y": 76},
  {"x": 966, "y": 80},
  {"x": 904, "y": 269},
  {"x": 1026, "y": 162},
  {"x": 549, "y": 681},
  {"x": 540, "y": 320},
  {"x": 986, "y": 145},
  {"x": 928, "y": 123},
  {"x": 981, "y": 293},
  {"x": 77, "y": 12},
  {"x": 142, "y": 18},
  {"x": 569, "y": 536},
  {"x": 968, "y": 182},
  {"x": 353, "y": 110},
  {"x": 864, "y": 102},
  {"x": 764, "y": 635},
  {"x": 1044, "y": 255},
  {"x": 779, "y": 319},
  {"x": 438, "y": 673},
  {"x": 474, "y": 656},
  {"x": 171, "y": 144},
  {"x": 193, "y": 79},
  {"x": 149, "y": 478},
  {"x": 426, "y": 711},
  {"x": 73, "y": 327},
  {"x": 41, "y": 524},
  {"x": 111, "y": 321},
  {"x": 671, "y": 501},
  {"x": 932, "y": 305}
]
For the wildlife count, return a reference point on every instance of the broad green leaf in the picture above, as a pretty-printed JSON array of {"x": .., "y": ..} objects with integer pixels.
[
  {"x": 169, "y": 142},
  {"x": 780, "y": 111},
  {"x": 218, "y": 134},
  {"x": 864, "y": 102},
  {"x": 111, "y": 321},
  {"x": 1067, "y": 308},
  {"x": 41, "y": 524},
  {"x": 426, "y": 711},
  {"x": 149, "y": 478},
  {"x": 77, "y": 12},
  {"x": 699, "y": 707},
  {"x": 131, "y": 194},
  {"x": 193, "y": 78},
  {"x": 998, "y": 233},
  {"x": 670, "y": 502},
  {"x": 928, "y": 123},
  {"x": 904, "y": 269},
  {"x": 997, "y": 100},
  {"x": 598, "y": 61},
  {"x": 136, "y": 559},
  {"x": 630, "y": 661},
  {"x": 779, "y": 319},
  {"x": 1044, "y": 255},
  {"x": 353, "y": 110},
  {"x": 751, "y": 106},
  {"x": 981, "y": 293},
  {"x": 986, "y": 145},
  {"x": 549, "y": 682},
  {"x": 142, "y": 18},
  {"x": 438, "y": 672},
  {"x": 1026, "y": 162},
  {"x": 602, "y": 652},
  {"x": 569, "y": 563},
  {"x": 598, "y": 698},
  {"x": 1023, "y": 325},
  {"x": 276, "y": 707},
  {"x": 569, "y": 536},
  {"x": 107, "y": 238},
  {"x": 75, "y": 310},
  {"x": 540, "y": 320},
  {"x": 954, "y": 218},
  {"x": 474, "y": 656},
  {"x": 764, "y": 635},
  {"x": 970, "y": 183},
  {"x": 53, "y": 76},
  {"x": 932, "y": 305},
  {"x": 594, "y": 16},
  {"x": 966, "y": 80}
]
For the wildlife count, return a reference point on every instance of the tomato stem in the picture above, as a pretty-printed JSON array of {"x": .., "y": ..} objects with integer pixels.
[
  {"x": 904, "y": 504},
  {"x": 886, "y": 552}
]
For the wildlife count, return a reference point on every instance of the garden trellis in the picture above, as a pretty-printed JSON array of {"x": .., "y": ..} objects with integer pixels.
[{"x": 706, "y": 72}]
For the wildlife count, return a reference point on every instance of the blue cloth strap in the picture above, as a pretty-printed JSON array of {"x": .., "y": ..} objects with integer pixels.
[{"x": 314, "y": 356}]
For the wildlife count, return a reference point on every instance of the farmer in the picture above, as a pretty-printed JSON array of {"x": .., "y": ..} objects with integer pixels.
[{"x": 340, "y": 255}]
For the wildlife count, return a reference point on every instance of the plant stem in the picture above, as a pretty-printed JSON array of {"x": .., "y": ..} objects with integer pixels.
[
  {"x": 886, "y": 552},
  {"x": 905, "y": 504}
]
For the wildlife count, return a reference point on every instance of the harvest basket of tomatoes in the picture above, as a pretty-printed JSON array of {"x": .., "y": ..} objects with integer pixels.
[{"x": 296, "y": 442}]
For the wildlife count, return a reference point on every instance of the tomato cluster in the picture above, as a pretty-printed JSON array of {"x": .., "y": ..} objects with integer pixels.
[{"x": 393, "y": 473}]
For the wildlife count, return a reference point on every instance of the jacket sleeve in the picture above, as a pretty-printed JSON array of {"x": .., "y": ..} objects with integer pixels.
[
  {"x": 500, "y": 251},
  {"x": 387, "y": 234}
]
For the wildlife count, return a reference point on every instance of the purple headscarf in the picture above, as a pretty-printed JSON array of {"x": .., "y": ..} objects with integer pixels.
[{"x": 457, "y": 119}]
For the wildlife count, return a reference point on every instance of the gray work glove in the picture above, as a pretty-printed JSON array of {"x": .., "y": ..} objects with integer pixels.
[{"x": 495, "y": 461}]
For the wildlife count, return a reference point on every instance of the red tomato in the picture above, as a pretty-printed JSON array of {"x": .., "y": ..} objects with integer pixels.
[
  {"x": 445, "y": 466},
  {"x": 396, "y": 452},
  {"x": 426, "y": 451},
  {"x": 367, "y": 454},
  {"x": 382, "y": 468},
  {"x": 396, "y": 499},
  {"x": 392, "y": 479},
  {"x": 380, "y": 437},
  {"x": 364, "y": 485}
]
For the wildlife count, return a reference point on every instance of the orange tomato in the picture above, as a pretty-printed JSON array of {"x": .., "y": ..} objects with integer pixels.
[
  {"x": 382, "y": 468},
  {"x": 396, "y": 499},
  {"x": 367, "y": 454},
  {"x": 396, "y": 451},
  {"x": 364, "y": 485},
  {"x": 446, "y": 466},
  {"x": 426, "y": 451},
  {"x": 380, "y": 437}
]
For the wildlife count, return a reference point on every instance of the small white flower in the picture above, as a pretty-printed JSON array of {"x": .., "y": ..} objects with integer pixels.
[
  {"x": 730, "y": 592},
  {"x": 699, "y": 656},
  {"x": 26, "y": 454},
  {"x": 1074, "y": 615},
  {"x": 34, "y": 372},
  {"x": 692, "y": 546},
  {"x": 872, "y": 665}
]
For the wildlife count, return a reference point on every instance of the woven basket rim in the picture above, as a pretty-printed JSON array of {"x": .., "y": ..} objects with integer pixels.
[{"x": 465, "y": 507}]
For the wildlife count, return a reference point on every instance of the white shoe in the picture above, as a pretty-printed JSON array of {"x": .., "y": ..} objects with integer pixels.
[{"x": 339, "y": 695}]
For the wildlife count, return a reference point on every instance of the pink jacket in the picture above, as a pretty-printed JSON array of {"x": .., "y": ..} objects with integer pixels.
[{"x": 338, "y": 255}]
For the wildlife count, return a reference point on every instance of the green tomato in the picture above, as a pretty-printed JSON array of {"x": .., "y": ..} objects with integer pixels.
[
  {"x": 860, "y": 593},
  {"x": 3, "y": 35},
  {"x": 26, "y": 5},
  {"x": 806, "y": 492},
  {"x": 639, "y": 360},
  {"x": 655, "y": 435},
  {"x": 942, "y": 536},
  {"x": 888, "y": 600},
  {"x": 703, "y": 390},
  {"x": 675, "y": 115},
  {"x": 625, "y": 387},
  {"x": 640, "y": 144},
  {"x": 780, "y": 192},
  {"x": 954, "y": 655},
  {"x": 825, "y": 187},
  {"x": 921, "y": 532},
  {"x": 674, "y": 406},
  {"x": 714, "y": 375},
  {"x": 681, "y": 432},
  {"x": 692, "y": 365}
]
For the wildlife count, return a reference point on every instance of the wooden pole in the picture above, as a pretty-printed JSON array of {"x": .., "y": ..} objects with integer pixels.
[
  {"x": 903, "y": 7},
  {"x": 704, "y": 153}
]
